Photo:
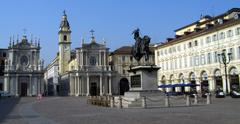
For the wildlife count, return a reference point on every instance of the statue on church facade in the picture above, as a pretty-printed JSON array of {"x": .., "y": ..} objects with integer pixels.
[{"x": 141, "y": 47}]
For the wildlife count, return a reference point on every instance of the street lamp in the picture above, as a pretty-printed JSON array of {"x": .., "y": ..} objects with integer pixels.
[{"x": 225, "y": 60}]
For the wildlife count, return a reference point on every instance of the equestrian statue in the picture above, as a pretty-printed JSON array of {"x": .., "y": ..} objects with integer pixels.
[{"x": 141, "y": 47}]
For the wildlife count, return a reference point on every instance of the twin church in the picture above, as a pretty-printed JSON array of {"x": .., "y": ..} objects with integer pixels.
[{"x": 80, "y": 72}]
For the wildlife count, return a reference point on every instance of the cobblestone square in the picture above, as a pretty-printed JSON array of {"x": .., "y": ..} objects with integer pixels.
[{"x": 75, "y": 110}]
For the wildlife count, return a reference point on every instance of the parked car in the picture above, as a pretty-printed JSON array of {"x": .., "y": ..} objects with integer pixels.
[
  {"x": 234, "y": 94},
  {"x": 5, "y": 94},
  {"x": 220, "y": 93}
]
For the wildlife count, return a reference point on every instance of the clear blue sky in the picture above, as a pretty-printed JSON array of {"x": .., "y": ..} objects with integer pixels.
[{"x": 113, "y": 20}]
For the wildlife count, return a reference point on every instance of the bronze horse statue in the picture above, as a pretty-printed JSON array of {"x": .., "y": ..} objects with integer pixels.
[{"x": 141, "y": 47}]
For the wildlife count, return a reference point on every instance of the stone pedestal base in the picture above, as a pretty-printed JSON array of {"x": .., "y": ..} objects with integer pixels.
[{"x": 143, "y": 86}]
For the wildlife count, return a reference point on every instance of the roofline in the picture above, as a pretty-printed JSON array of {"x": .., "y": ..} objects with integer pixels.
[
  {"x": 200, "y": 33},
  {"x": 213, "y": 18}
]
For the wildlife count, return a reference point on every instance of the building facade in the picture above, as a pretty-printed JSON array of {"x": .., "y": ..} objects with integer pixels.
[
  {"x": 3, "y": 57},
  {"x": 51, "y": 78},
  {"x": 195, "y": 53},
  {"x": 121, "y": 59},
  {"x": 23, "y": 74},
  {"x": 85, "y": 70}
]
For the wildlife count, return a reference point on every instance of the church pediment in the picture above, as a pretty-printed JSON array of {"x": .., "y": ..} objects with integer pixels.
[
  {"x": 93, "y": 45},
  {"x": 24, "y": 44}
]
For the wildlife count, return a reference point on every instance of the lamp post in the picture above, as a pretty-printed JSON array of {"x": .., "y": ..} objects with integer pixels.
[{"x": 225, "y": 60}]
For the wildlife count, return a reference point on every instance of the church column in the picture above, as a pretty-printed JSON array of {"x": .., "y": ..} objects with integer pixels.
[
  {"x": 78, "y": 82},
  {"x": 86, "y": 60},
  {"x": 80, "y": 85},
  {"x": 71, "y": 85},
  {"x": 87, "y": 85},
  {"x": 75, "y": 86},
  {"x": 38, "y": 86},
  {"x": 104, "y": 60},
  {"x": 81, "y": 56},
  {"x": 101, "y": 86},
  {"x": 17, "y": 82},
  {"x": 100, "y": 58},
  {"x": 30, "y": 85},
  {"x": 41, "y": 84},
  {"x": 110, "y": 85},
  {"x": 6, "y": 83}
]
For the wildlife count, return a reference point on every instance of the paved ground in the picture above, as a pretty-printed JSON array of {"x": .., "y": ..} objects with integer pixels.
[{"x": 72, "y": 110}]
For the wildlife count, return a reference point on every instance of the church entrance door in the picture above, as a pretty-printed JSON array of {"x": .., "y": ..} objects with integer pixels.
[
  {"x": 23, "y": 89},
  {"x": 1, "y": 86},
  {"x": 124, "y": 86},
  {"x": 93, "y": 90}
]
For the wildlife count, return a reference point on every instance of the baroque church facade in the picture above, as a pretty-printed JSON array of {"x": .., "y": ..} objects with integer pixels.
[
  {"x": 23, "y": 72},
  {"x": 84, "y": 71}
]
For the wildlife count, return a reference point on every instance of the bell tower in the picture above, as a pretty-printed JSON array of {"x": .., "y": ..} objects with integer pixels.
[{"x": 64, "y": 38}]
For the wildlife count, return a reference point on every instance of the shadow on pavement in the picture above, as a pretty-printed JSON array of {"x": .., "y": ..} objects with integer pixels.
[{"x": 6, "y": 106}]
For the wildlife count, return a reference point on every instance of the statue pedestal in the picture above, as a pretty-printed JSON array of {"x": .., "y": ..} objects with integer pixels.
[
  {"x": 143, "y": 83},
  {"x": 143, "y": 78}
]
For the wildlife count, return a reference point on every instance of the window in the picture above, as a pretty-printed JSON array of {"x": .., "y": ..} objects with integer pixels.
[
  {"x": 93, "y": 60},
  {"x": 174, "y": 49},
  {"x": 201, "y": 42},
  {"x": 185, "y": 62},
  {"x": 215, "y": 56},
  {"x": 4, "y": 54},
  {"x": 237, "y": 32},
  {"x": 202, "y": 59},
  {"x": 165, "y": 51},
  {"x": 170, "y": 50},
  {"x": 175, "y": 62},
  {"x": 209, "y": 60},
  {"x": 179, "y": 48},
  {"x": 123, "y": 58},
  {"x": 189, "y": 44},
  {"x": 231, "y": 50},
  {"x": 208, "y": 39},
  {"x": 65, "y": 37},
  {"x": 124, "y": 72},
  {"x": 229, "y": 33},
  {"x": 171, "y": 64},
  {"x": 239, "y": 52},
  {"x": 180, "y": 62},
  {"x": 191, "y": 64},
  {"x": 167, "y": 64},
  {"x": 221, "y": 35},
  {"x": 196, "y": 61},
  {"x": 196, "y": 43},
  {"x": 162, "y": 65},
  {"x": 214, "y": 37}
]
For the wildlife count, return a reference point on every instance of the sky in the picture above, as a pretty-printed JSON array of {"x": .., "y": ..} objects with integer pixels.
[{"x": 112, "y": 20}]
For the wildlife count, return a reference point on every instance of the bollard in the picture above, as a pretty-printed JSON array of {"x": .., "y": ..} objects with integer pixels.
[
  {"x": 208, "y": 98},
  {"x": 167, "y": 101},
  {"x": 112, "y": 102},
  {"x": 188, "y": 102},
  {"x": 195, "y": 99},
  {"x": 120, "y": 102},
  {"x": 144, "y": 103}
]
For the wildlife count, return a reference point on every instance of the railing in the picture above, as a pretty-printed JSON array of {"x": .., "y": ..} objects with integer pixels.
[
  {"x": 99, "y": 100},
  {"x": 146, "y": 102}
]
